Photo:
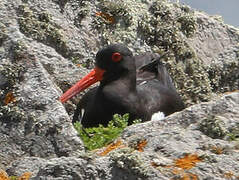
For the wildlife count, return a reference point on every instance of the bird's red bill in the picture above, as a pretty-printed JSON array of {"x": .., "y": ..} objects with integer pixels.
[{"x": 94, "y": 76}]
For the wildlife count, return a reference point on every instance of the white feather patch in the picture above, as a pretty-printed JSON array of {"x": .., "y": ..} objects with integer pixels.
[
  {"x": 82, "y": 114},
  {"x": 144, "y": 82},
  {"x": 158, "y": 116}
]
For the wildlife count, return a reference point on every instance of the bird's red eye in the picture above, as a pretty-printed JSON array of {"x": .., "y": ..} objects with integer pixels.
[{"x": 116, "y": 57}]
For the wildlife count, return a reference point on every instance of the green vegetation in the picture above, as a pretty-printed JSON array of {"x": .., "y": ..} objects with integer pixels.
[
  {"x": 13, "y": 178},
  {"x": 98, "y": 137}
]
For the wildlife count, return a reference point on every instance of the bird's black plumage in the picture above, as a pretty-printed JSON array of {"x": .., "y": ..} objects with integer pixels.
[{"x": 138, "y": 85}]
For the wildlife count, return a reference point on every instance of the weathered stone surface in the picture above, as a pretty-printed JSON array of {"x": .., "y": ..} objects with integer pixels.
[
  {"x": 167, "y": 140},
  {"x": 44, "y": 47}
]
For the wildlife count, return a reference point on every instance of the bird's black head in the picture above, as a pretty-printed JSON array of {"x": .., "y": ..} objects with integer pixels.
[
  {"x": 112, "y": 62},
  {"x": 116, "y": 60}
]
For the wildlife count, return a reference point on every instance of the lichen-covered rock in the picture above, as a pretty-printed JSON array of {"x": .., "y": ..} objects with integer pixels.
[
  {"x": 175, "y": 147},
  {"x": 46, "y": 46}
]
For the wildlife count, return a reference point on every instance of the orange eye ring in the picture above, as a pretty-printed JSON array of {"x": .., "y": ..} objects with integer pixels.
[{"x": 116, "y": 57}]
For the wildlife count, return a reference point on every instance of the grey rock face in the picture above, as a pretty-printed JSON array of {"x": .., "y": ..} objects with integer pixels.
[
  {"x": 46, "y": 46},
  {"x": 167, "y": 140}
]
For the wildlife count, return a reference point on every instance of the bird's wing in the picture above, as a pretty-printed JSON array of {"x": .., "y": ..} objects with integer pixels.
[{"x": 149, "y": 66}]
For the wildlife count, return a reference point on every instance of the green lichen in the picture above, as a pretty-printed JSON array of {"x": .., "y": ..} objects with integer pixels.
[
  {"x": 163, "y": 28},
  {"x": 82, "y": 13},
  {"x": 19, "y": 50},
  {"x": 118, "y": 10},
  {"x": 61, "y": 3},
  {"x": 3, "y": 35},
  {"x": 233, "y": 133},
  {"x": 11, "y": 113},
  {"x": 213, "y": 127},
  {"x": 167, "y": 29},
  {"x": 187, "y": 25},
  {"x": 191, "y": 79},
  {"x": 224, "y": 78},
  {"x": 40, "y": 27},
  {"x": 80, "y": 7},
  {"x": 10, "y": 75},
  {"x": 131, "y": 161}
]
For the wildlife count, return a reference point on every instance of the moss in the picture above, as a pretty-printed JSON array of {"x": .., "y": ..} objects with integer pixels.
[
  {"x": 213, "y": 127},
  {"x": 40, "y": 27}
]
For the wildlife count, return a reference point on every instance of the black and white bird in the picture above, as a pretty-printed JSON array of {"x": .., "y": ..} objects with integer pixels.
[{"x": 138, "y": 85}]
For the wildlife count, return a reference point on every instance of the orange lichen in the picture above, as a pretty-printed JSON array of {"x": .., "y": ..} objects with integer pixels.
[
  {"x": 106, "y": 17},
  {"x": 155, "y": 165},
  {"x": 189, "y": 176},
  {"x": 228, "y": 175},
  {"x": 229, "y": 92},
  {"x": 217, "y": 150},
  {"x": 25, "y": 176},
  {"x": 188, "y": 161},
  {"x": 3, "y": 175},
  {"x": 182, "y": 164},
  {"x": 177, "y": 171},
  {"x": 184, "y": 175},
  {"x": 111, "y": 147},
  {"x": 9, "y": 98},
  {"x": 141, "y": 145}
]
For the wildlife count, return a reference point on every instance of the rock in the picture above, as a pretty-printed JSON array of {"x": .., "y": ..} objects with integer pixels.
[
  {"x": 167, "y": 140},
  {"x": 46, "y": 46}
]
